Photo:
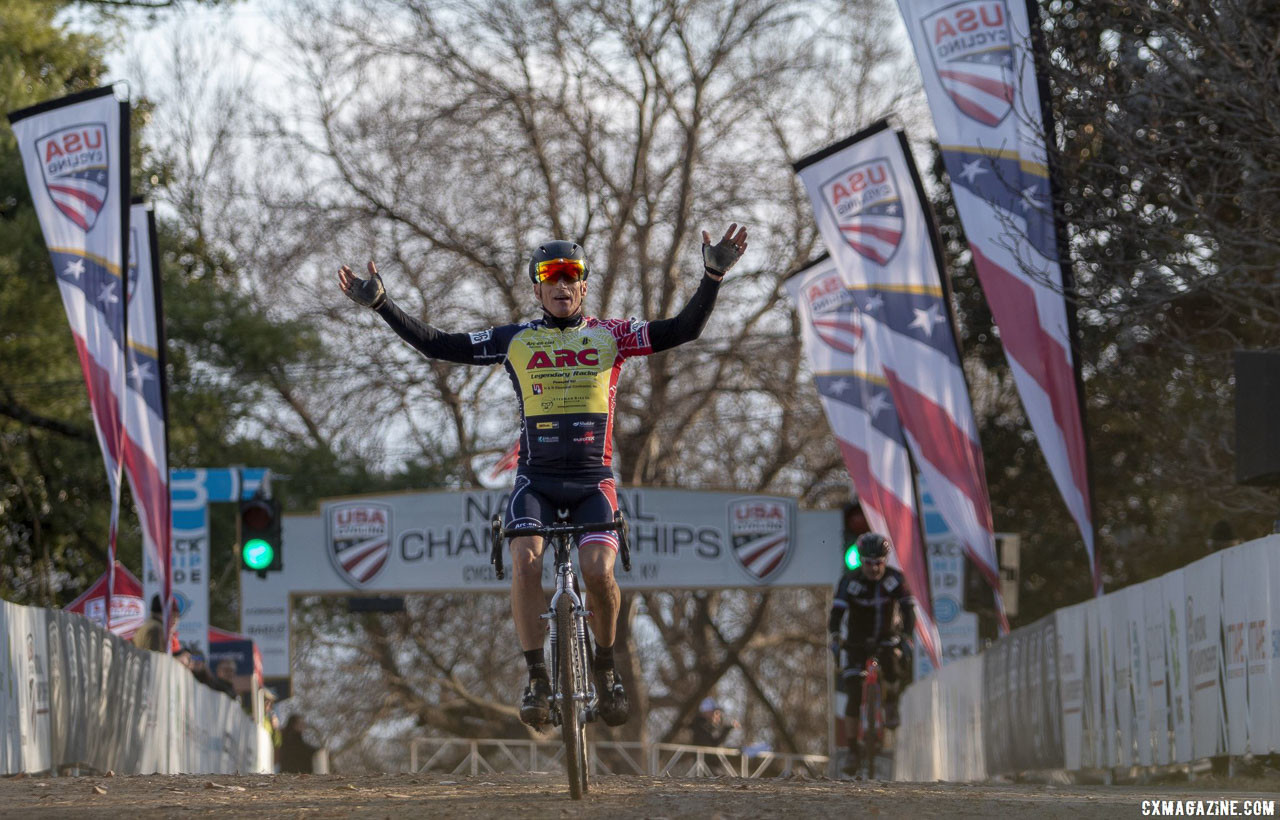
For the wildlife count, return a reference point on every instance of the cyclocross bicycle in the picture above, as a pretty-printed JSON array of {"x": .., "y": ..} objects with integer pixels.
[{"x": 573, "y": 694}]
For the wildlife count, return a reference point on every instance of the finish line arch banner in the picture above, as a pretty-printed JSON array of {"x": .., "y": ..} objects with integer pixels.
[{"x": 439, "y": 542}]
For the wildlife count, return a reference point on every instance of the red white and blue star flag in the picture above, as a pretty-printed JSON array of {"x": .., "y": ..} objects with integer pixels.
[
  {"x": 905, "y": 315},
  {"x": 76, "y": 154},
  {"x": 860, "y": 410},
  {"x": 146, "y": 450},
  {"x": 979, "y": 75}
]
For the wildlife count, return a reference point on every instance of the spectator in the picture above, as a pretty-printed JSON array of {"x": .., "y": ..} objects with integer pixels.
[
  {"x": 151, "y": 634},
  {"x": 296, "y": 754},
  {"x": 709, "y": 728},
  {"x": 199, "y": 669},
  {"x": 225, "y": 679}
]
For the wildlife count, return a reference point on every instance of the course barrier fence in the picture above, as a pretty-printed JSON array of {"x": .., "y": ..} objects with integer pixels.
[
  {"x": 1173, "y": 670},
  {"x": 75, "y": 696}
]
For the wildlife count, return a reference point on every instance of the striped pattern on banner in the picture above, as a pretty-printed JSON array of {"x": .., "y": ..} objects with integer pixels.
[
  {"x": 75, "y": 153},
  {"x": 979, "y": 76},
  {"x": 905, "y": 316},
  {"x": 860, "y": 409},
  {"x": 146, "y": 458}
]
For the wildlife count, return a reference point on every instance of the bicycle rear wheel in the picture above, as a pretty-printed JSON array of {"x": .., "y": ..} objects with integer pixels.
[{"x": 573, "y": 679}]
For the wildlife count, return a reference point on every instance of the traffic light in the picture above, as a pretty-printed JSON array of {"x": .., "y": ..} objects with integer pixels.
[
  {"x": 851, "y": 558},
  {"x": 260, "y": 547},
  {"x": 853, "y": 523}
]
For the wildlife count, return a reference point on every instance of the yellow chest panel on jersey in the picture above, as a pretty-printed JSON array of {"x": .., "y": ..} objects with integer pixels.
[{"x": 563, "y": 372}]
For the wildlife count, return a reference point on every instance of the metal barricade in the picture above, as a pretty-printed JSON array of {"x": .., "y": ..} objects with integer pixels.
[{"x": 454, "y": 755}]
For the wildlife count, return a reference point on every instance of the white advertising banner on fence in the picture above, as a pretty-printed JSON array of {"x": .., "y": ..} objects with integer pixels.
[
  {"x": 1203, "y": 583},
  {"x": 1138, "y": 678},
  {"x": 1259, "y": 592},
  {"x": 1153, "y": 611},
  {"x": 1272, "y": 647},
  {"x": 1095, "y": 693},
  {"x": 1179, "y": 666},
  {"x": 440, "y": 542},
  {"x": 1235, "y": 608},
  {"x": 1071, "y": 667},
  {"x": 1122, "y": 739}
]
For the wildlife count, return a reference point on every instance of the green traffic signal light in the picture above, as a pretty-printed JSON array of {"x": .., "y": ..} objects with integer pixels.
[
  {"x": 851, "y": 558},
  {"x": 257, "y": 554}
]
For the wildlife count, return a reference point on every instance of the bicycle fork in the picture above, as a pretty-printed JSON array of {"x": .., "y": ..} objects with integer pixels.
[{"x": 566, "y": 585}]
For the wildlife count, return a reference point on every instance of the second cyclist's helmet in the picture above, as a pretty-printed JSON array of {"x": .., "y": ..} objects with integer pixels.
[
  {"x": 873, "y": 546},
  {"x": 557, "y": 249}
]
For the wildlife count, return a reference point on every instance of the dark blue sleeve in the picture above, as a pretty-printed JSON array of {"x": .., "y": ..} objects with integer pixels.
[{"x": 481, "y": 347}]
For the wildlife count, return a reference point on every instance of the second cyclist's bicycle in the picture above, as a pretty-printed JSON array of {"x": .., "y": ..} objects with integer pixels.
[{"x": 573, "y": 694}]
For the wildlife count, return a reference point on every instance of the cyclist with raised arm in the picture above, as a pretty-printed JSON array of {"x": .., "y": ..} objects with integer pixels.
[
  {"x": 882, "y": 617},
  {"x": 564, "y": 368}
]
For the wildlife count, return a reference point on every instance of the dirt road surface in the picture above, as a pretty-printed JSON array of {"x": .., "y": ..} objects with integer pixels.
[{"x": 402, "y": 796}]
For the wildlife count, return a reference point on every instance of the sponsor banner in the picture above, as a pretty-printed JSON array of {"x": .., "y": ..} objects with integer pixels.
[
  {"x": 1021, "y": 710},
  {"x": 1120, "y": 662},
  {"x": 75, "y": 151},
  {"x": 1235, "y": 649},
  {"x": 1155, "y": 620},
  {"x": 1139, "y": 680},
  {"x": 191, "y": 493},
  {"x": 1179, "y": 669},
  {"x": 869, "y": 209},
  {"x": 1071, "y": 674},
  {"x": 1097, "y": 689},
  {"x": 441, "y": 542},
  {"x": 859, "y": 407},
  {"x": 146, "y": 457},
  {"x": 978, "y": 68},
  {"x": 1273, "y": 630},
  {"x": 1203, "y": 581}
]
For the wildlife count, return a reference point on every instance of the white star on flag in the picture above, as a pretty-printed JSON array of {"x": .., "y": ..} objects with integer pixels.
[
  {"x": 971, "y": 170},
  {"x": 107, "y": 295},
  {"x": 876, "y": 404},
  {"x": 893, "y": 209},
  {"x": 141, "y": 373},
  {"x": 74, "y": 268},
  {"x": 839, "y": 386},
  {"x": 926, "y": 320},
  {"x": 874, "y": 303},
  {"x": 1029, "y": 198}
]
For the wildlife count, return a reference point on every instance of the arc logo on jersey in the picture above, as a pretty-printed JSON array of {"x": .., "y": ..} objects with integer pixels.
[
  {"x": 358, "y": 540},
  {"x": 973, "y": 57},
  {"x": 761, "y": 531},
  {"x": 863, "y": 200},
  {"x": 834, "y": 313},
  {"x": 75, "y": 164},
  {"x": 542, "y": 359}
]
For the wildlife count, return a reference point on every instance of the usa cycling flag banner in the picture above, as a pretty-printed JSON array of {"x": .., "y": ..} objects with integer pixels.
[
  {"x": 856, "y": 399},
  {"x": 865, "y": 193},
  {"x": 146, "y": 449},
  {"x": 75, "y": 151},
  {"x": 979, "y": 75}
]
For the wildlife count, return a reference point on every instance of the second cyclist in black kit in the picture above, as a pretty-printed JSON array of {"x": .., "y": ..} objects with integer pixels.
[{"x": 564, "y": 368}]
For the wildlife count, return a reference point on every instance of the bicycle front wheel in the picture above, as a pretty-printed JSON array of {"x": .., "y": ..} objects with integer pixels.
[
  {"x": 873, "y": 733},
  {"x": 573, "y": 679}
]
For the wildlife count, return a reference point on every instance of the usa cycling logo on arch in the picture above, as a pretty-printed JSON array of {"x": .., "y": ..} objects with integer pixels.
[
  {"x": 358, "y": 540},
  {"x": 762, "y": 535}
]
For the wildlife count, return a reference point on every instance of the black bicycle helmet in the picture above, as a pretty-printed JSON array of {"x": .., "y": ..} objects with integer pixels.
[
  {"x": 557, "y": 249},
  {"x": 873, "y": 546}
]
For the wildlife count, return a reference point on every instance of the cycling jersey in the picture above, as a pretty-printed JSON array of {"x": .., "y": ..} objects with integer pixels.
[
  {"x": 872, "y": 607},
  {"x": 564, "y": 372}
]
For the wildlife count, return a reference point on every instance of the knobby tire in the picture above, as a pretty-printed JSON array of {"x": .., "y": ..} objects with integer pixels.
[
  {"x": 572, "y": 680},
  {"x": 874, "y": 729}
]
